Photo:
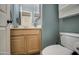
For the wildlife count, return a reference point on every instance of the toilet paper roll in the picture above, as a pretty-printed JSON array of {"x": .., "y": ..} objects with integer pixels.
[{"x": 76, "y": 47}]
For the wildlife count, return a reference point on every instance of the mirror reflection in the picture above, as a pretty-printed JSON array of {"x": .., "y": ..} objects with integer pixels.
[{"x": 26, "y": 15}]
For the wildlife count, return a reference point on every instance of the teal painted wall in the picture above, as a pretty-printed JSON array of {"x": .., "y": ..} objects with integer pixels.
[
  {"x": 70, "y": 24},
  {"x": 50, "y": 30}
]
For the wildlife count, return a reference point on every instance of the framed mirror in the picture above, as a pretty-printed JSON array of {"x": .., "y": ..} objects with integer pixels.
[{"x": 27, "y": 15}]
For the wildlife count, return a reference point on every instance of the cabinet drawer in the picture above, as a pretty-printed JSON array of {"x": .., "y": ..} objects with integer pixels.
[{"x": 23, "y": 32}]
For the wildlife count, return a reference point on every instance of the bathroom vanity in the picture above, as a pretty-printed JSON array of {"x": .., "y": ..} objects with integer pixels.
[
  {"x": 25, "y": 32},
  {"x": 25, "y": 40}
]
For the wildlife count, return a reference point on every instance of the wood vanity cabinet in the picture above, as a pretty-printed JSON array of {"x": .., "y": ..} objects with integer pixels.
[{"x": 25, "y": 41}]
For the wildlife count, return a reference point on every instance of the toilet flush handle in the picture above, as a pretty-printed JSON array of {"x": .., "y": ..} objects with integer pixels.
[{"x": 77, "y": 48}]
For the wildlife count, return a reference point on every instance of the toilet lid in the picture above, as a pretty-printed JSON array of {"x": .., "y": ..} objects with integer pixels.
[{"x": 56, "y": 50}]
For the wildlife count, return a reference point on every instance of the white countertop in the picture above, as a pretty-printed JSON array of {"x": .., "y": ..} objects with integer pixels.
[
  {"x": 22, "y": 27},
  {"x": 25, "y": 28}
]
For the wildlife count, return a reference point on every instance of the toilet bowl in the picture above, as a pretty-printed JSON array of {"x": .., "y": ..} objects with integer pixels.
[
  {"x": 67, "y": 48},
  {"x": 56, "y": 50}
]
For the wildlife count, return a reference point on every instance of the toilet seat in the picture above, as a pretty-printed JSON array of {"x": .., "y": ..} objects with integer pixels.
[{"x": 56, "y": 50}]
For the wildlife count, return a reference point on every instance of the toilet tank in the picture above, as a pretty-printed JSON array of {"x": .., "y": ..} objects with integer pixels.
[{"x": 69, "y": 39}]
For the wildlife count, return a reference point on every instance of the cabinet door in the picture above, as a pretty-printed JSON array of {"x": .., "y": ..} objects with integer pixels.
[
  {"x": 17, "y": 45},
  {"x": 33, "y": 44}
]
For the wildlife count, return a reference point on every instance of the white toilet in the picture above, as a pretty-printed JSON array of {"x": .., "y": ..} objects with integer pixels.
[{"x": 69, "y": 44}]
